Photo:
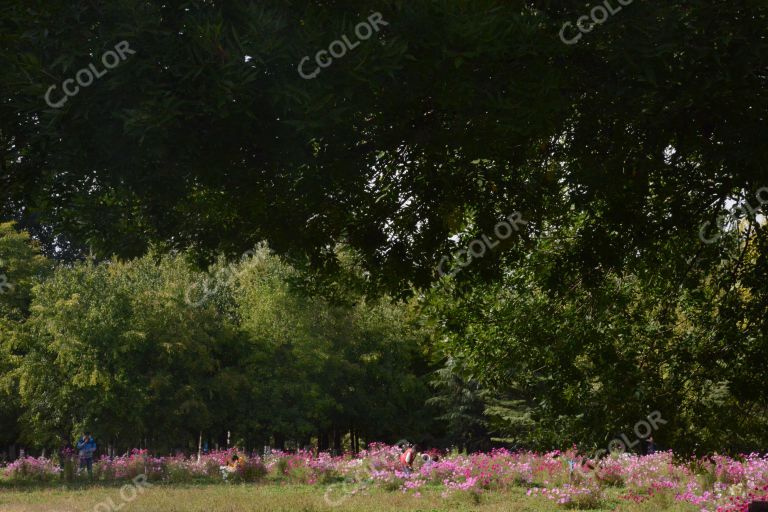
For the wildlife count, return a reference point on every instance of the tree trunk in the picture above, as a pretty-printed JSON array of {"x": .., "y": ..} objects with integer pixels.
[
  {"x": 337, "y": 441},
  {"x": 322, "y": 442}
]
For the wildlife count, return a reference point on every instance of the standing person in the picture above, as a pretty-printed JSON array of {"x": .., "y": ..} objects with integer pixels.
[
  {"x": 86, "y": 446},
  {"x": 651, "y": 446},
  {"x": 407, "y": 457}
]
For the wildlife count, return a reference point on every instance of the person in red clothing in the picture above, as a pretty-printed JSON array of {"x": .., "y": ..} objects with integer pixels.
[{"x": 408, "y": 456}]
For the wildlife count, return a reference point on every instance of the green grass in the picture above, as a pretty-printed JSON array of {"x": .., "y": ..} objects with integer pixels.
[{"x": 272, "y": 497}]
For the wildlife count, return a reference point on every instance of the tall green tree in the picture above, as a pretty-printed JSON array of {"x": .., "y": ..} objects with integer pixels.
[
  {"x": 150, "y": 352},
  {"x": 114, "y": 347},
  {"x": 463, "y": 401},
  {"x": 449, "y": 117},
  {"x": 21, "y": 266},
  {"x": 589, "y": 355},
  {"x": 355, "y": 367}
]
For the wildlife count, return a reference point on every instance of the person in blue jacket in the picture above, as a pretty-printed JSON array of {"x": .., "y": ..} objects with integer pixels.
[
  {"x": 651, "y": 447},
  {"x": 86, "y": 446}
]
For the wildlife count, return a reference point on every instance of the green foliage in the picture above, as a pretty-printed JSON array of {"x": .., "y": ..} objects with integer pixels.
[
  {"x": 151, "y": 351},
  {"x": 114, "y": 346},
  {"x": 451, "y": 117},
  {"x": 252, "y": 471},
  {"x": 463, "y": 401},
  {"x": 21, "y": 266},
  {"x": 568, "y": 357},
  {"x": 325, "y": 366}
]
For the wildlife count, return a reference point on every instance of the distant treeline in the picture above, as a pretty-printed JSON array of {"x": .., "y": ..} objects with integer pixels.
[{"x": 153, "y": 353}]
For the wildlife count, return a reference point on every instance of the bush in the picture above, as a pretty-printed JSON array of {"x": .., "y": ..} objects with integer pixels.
[
  {"x": 252, "y": 470},
  {"x": 69, "y": 468},
  {"x": 179, "y": 474},
  {"x": 211, "y": 468},
  {"x": 33, "y": 469}
]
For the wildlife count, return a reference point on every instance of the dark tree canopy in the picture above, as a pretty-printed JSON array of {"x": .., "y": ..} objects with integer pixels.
[
  {"x": 218, "y": 126},
  {"x": 450, "y": 117}
]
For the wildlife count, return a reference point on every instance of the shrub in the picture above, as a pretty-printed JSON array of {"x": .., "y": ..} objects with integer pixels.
[
  {"x": 37, "y": 469},
  {"x": 282, "y": 466},
  {"x": 252, "y": 470},
  {"x": 570, "y": 496},
  {"x": 68, "y": 468},
  {"x": 177, "y": 473}
]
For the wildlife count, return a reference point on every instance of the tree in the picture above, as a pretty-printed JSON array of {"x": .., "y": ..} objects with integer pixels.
[
  {"x": 113, "y": 347},
  {"x": 150, "y": 352},
  {"x": 463, "y": 400},
  {"x": 328, "y": 367},
  {"x": 21, "y": 266},
  {"x": 450, "y": 117},
  {"x": 589, "y": 355}
]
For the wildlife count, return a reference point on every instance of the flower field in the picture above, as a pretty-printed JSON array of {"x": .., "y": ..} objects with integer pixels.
[{"x": 564, "y": 479}]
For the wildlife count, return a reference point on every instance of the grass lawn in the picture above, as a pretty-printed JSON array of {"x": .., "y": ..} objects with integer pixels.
[{"x": 273, "y": 497}]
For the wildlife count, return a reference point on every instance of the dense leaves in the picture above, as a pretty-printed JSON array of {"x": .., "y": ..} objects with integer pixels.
[
  {"x": 152, "y": 352},
  {"x": 20, "y": 266},
  {"x": 591, "y": 357},
  {"x": 451, "y": 116}
]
